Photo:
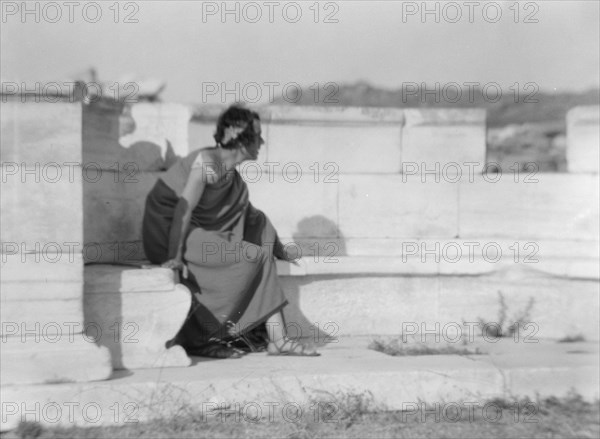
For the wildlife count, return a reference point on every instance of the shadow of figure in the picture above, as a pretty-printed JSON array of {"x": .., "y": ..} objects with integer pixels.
[
  {"x": 319, "y": 239},
  {"x": 116, "y": 180}
]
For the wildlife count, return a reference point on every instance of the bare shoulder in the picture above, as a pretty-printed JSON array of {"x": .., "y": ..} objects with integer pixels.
[{"x": 206, "y": 165}]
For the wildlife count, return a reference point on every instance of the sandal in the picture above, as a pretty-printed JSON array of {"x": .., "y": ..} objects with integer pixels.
[
  {"x": 295, "y": 349},
  {"x": 217, "y": 350}
]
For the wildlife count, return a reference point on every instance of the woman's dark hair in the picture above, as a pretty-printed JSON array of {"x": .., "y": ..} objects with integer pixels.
[{"x": 239, "y": 117}]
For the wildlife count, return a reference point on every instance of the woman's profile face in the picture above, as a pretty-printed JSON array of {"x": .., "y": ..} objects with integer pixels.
[{"x": 253, "y": 149}]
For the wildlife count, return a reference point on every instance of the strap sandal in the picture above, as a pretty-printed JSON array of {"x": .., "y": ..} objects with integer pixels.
[{"x": 291, "y": 348}]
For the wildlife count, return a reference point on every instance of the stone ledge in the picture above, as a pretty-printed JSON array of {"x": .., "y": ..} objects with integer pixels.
[
  {"x": 345, "y": 368},
  {"x": 334, "y": 115},
  {"x": 444, "y": 116},
  {"x": 49, "y": 359},
  {"x": 115, "y": 279},
  {"x": 309, "y": 115},
  {"x": 379, "y": 304},
  {"x": 584, "y": 115},
  {"x": 136, "y": 311},
  {"x": 582, "y": 268}
]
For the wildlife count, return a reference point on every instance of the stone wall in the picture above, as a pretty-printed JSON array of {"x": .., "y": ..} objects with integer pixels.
[
  {"x": 378, "y": 202},
  {"x": 42, "y": 240},
  {"x": 583, "y": 137},
  {"x": 389, "y": 192}
]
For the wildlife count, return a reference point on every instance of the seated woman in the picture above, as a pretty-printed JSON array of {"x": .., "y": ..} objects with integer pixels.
[{"x": 198, "y": 220}]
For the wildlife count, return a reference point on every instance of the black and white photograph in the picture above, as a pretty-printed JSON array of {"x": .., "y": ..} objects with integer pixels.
[{"x": 299, "y": 219}]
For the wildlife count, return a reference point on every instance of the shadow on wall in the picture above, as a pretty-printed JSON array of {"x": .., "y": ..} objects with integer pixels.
[
  {"x": 122, "y": 159},
  {"x": 318, "y": 236},
  {"x": 320, "y": 241},
  {"x": 121, "y": 164},
  {"x": 111, "y": 135}
]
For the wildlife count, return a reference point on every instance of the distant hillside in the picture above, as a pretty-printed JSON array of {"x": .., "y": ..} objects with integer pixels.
[{"x": 551, "y": 107}]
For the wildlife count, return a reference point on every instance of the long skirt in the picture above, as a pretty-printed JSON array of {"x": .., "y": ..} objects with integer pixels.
[{"x": 232, "y": 272}]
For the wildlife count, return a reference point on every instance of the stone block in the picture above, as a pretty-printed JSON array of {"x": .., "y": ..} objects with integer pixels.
[
  {"x": 28, "y": 291},
  {"x": 114, "y": 210},
  {"x": 40, "y": 290},
  {"x": 323, "y": 152},
  {"x": 297, "y": 209},
  {"x": 555, "y": 312},
  {"x": 395, "y": 206},
  {"x": 52, "y": 360},
  {"x": 339, "y": 140},
  {"x": 434, "y": 138},
  {"x": 556, "y": 205},
  {"x": 352, "y": 305},
  {"x": 21, "y": 267},
  {"x": 583, "y": 139},
  {"x": 43, "y": 133},
  {"x": 333, "y": 115},
  {"x": 46, "y": 317},
  {"x": 381, "y": 265},
  {"x": 136, "y": 312},
  {"x": 41, "y": 174},
  {"x": 42, "y": 209}
]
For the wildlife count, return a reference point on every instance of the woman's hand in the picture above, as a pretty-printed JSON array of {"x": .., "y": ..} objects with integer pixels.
[{"x": 176, "y": 264}]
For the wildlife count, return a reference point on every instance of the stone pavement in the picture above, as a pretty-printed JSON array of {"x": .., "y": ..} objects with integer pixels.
[{"x": 347, "y": 367}]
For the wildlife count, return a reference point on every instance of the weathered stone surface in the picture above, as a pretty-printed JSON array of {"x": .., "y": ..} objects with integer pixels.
[
  {"x": 394, "y": 206},
  {"x": 145, "y": 136},
  {"x": 70, "y": 357},
  {"x": 583, "y": 139},
  {"x": 29, "y": 217},
  {"x": 438, "y": 264},
  {"x": 557, "y": 205},
  {"x": 41, "y": 161},
  {"x": 40, "y": 290},
  {"x": 469, "y": 294},
  {"x": 434, "y": 138},
  {"x": 303, "y": 208},
  {"x": 165, "y": 125},
  {"x": 530, "y": 249},
  {"x": 384, "y": 265},
  {"x": 137, "y": 311},
  {"x": 345, "y": 368},
  {"x": 43, "y": 133},
  {"x": 364, "y": 305},
  {"x": 329, "y": 114},
  {"x": 45, "y": 316},
  {"x": 561, "y": 306},
  {"x": 326, "y": 141},
  {"x": 26, "y": 291},
  {"x": 20, "y": 267},
  {"x": 323, "y": 152},
  {"x": 114, "y": 210}
]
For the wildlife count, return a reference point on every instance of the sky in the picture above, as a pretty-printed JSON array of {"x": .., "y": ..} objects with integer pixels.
[{"x": 190, "y": 46}]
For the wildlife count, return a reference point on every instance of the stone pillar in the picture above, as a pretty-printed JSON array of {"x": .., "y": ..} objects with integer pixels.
[
  {"x": 583, "y": 139},
  {"x": 42, "y": 326}
]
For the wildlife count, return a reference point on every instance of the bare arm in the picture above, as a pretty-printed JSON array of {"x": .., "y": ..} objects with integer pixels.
[{"x": 183, "y": 212}]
